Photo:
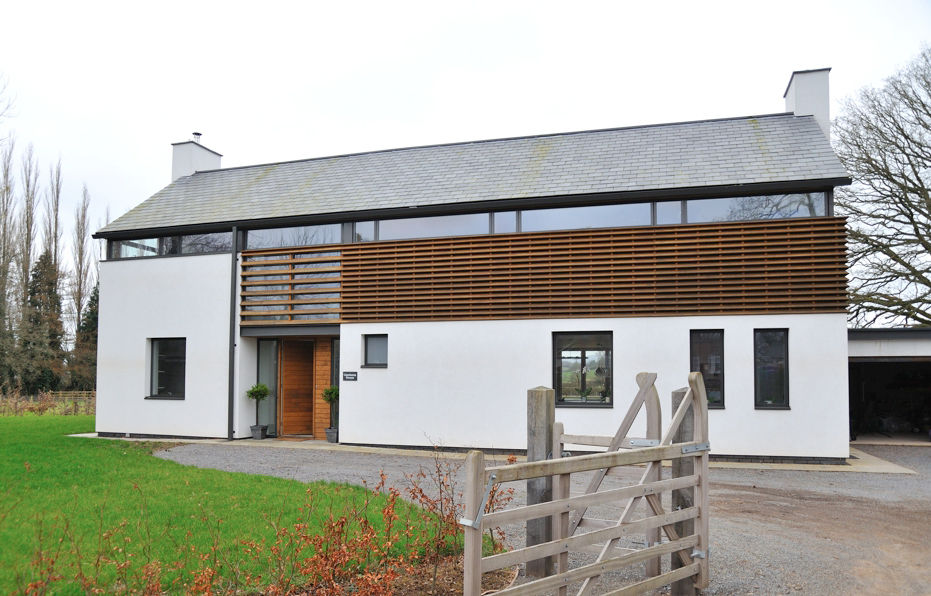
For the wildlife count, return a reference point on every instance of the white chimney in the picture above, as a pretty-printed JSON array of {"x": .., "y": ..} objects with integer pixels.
[
  {"x": 808, "y": 95},
  {"x": 188, "y": 157}
]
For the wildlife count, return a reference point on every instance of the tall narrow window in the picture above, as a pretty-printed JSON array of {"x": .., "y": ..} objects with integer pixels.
[
  {"x": 267, "y": 374},
  {"x": 771, "y": 368},
  {"x": 582, "y": 369},
  {"x": 376, "y": 350},
  {"x": 168, "y": 364},
  {"x": 707, "y": 357}
]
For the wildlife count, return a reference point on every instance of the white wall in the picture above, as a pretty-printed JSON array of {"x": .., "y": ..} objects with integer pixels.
[
  {"x": 141, "y": 299},
  {"x": 465, "y": 383},
  {"x": 190, "y": 157},
  {"x": 903, "y": 347}
]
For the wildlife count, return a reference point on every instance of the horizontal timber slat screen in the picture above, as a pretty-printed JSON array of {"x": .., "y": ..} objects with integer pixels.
[
  {"x": 294, "y": 286},
  {"x": 721, "y": 268},
  {"x": 747, "y": 267}
]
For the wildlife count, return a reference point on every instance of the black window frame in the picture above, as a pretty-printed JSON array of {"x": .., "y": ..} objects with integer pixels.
[
  {"x": 365, "y": 351},
  {"x": 757, "y": 401},
  {"x": 556, "y": 364},
  {"x": 153, "y": 369},
  {"x": 692, "y": 334}
]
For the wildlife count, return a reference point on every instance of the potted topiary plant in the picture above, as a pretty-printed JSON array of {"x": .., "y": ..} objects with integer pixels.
[
  {"x": 331, "y": 396},
  {"x": 258, "y": 392}
]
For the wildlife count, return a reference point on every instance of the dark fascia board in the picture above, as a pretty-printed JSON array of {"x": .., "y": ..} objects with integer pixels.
[
  {"x": 673, "y": 194},
  {"x": 272, "y": 331},
  {"x": 894, "y": 333}
]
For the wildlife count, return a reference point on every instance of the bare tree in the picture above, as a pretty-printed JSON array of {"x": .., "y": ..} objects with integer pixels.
[
  {"x": 52, "y": 217},
  {"x": 7, "y": 251},
  {"x": 7, "y": 221},
  {"x": 6, "y": 106},
  {"x": 81, "y": 257},
  {"x": 26, "y": 231},
  {"x": 883, "y": 138}
]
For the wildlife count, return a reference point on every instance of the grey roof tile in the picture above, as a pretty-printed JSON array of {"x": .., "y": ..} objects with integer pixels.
[{"x": 775, "y": 148}]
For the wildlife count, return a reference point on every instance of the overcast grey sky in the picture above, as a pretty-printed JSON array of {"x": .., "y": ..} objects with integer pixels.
[{"x": 109, "y": 86}]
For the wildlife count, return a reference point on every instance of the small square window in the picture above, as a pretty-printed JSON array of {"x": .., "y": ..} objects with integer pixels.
[
  {"x": 771, "y": 369},
  {"x": 582, "y": 369},
  {"x": 376, "y": 350},
  {"x": 168, "y": 365}
]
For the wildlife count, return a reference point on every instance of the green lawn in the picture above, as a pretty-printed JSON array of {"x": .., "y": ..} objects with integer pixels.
[{"x": 74, "y": 499}]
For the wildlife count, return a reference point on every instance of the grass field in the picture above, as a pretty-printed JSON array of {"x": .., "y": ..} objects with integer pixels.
[{"x": 78, "y": 506}]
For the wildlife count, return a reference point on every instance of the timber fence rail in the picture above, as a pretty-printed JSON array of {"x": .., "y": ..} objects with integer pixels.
[
  {"x": 681, "y": 533},
  {"x": 56, "y": 402}
]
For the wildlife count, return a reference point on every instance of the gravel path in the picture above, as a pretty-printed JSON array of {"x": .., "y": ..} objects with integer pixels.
[{"x": 772, "y": 531}]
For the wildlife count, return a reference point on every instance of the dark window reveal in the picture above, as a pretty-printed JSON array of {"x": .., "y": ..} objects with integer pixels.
[
  {"x": 707, "y": 357},
  {"x": 771, "y": 368},
  {"x": 168, "y": 364},
  {"x": 376, "y": 350},
  {"x": 582, "y": 368}
]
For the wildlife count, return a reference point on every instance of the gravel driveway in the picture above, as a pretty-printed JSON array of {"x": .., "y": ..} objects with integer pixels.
[{"x": 772, "y": 531}]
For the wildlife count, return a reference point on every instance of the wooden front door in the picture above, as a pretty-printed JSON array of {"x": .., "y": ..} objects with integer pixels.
[{"x": 297, "y": 387}]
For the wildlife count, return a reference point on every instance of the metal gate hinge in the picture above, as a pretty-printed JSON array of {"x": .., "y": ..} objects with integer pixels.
[
  {"x": 477, "y": 522},
  {"x": 698, "y": 554},
  {"x": 644, "y": 442},
  {"x": 696, "y": 448}
]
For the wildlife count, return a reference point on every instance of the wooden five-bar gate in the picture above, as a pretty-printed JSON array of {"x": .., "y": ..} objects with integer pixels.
[{"x": 681, "y": 532}]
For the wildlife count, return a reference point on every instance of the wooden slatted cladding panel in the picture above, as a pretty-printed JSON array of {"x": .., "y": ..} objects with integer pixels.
[
  {"x": 294, "y": 286},
  {"x": 322, "y": 380},
  {"x": 783, "y": 266}
]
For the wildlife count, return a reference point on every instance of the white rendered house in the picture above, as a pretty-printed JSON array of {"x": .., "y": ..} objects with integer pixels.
[{"x": 437, "y": 284}]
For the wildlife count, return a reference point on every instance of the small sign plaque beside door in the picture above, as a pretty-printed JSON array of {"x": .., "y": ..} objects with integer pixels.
[{"x": 350, "y": 375}]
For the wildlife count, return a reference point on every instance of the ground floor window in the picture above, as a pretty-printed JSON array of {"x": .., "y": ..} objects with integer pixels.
[
  {"x": 376, "y": 350},
  {"x": 168, "y": 364},
  {"x": 771, "y": 368},
  {"x": 582, "y": 368},
  {"x": 706, "y": 347}
]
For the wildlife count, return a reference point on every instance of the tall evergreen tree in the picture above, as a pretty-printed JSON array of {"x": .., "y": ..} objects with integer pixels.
[
  {"x": 83, "y": 362},
  {"x": 41, "y": 357}
]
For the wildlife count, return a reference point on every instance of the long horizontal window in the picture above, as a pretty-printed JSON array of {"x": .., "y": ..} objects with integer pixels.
[
  {"x": 578, "y": 218},
  {"x": 191, "y": 244},
  {"x": 762, "y": 207},
  {"x": 431, "y": 227},
  {"x": 657, "y": 213},
  {"x": 297, "y": 236}
]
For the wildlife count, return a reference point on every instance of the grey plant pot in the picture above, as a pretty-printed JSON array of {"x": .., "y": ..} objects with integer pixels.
[
  {"x": 332, "y": 435},
  {"x": 259, "y": 431}
]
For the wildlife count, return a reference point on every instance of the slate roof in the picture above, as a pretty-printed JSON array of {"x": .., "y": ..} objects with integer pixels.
[{"x": 737, "y": 151}]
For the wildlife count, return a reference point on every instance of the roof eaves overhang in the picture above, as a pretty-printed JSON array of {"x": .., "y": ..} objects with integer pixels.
[
  {"x": 668, "y": 194},
  {"x": 889, "y": 333}
]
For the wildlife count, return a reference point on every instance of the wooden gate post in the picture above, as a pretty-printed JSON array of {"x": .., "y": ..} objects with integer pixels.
[
  {"x": 682, "y": 498},
  {"x": 474, "y": 497},
  {"x": 655, "y": 433},
  {"x": 541, "y": 415},
  {"x": 700, "y": 419}
]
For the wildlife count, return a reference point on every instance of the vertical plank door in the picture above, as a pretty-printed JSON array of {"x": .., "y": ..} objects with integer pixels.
[{"x": 297, "y": 387}]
